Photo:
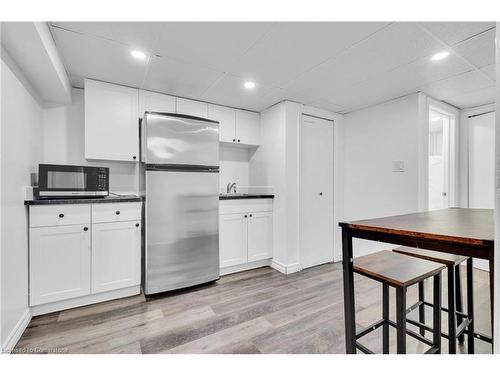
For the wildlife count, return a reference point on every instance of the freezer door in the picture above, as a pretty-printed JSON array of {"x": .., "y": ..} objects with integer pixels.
[
  {"x": 182, "y": 229},
  {"x": 176, "y": 139}
]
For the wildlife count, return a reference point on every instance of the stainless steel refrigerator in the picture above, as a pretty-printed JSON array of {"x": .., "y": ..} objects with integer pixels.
[{"x": 180, "y": 156}]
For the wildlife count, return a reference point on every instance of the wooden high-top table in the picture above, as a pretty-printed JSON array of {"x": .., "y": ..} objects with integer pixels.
[{"x": 462, "y": 231}]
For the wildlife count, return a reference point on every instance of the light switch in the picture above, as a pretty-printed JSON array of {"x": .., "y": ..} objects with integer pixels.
[{"x": 398, "y": 166}]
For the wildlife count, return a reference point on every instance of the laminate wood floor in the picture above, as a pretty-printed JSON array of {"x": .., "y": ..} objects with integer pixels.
[{"x": 257, "y": 311}]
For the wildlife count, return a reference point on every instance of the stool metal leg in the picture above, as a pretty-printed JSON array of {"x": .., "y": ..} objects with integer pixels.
[
  {"x": 452, "y": 316},
  {"x": 458, "y": 299},
  {"x": 421, "y": 308},
  {"x": 401, "y": 319},
  {"x": 436, "y": 313},
  {"x": 470, "y": 307},
  {"x": 385, "y": 316}
]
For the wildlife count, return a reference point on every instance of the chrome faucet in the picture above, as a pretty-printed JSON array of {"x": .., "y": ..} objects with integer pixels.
[{"x": 231, "y": 186}]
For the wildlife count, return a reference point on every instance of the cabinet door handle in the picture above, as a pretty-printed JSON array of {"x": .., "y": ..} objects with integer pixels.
[
  {"x": 137, "y": 224},
  {"x": 234, "y": 140},
  {"x": 61, "y": 215},
  {"x": 246, "y": 216},
  {"x": 85, "y": 229},
  {"x": 134, "y": 157},
  {"x": 320, "y": 193},
  {"x": 238, "y": 140},
  {"x": 117, "y": 212},
  {"x": 250, "y": 215}
]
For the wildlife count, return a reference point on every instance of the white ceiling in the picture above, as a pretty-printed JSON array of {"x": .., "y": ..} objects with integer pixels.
[{"x": 338, "y": 66}]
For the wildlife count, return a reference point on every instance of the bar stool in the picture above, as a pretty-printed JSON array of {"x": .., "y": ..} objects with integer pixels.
[
  {"x": 400, "y": 272},
  {"x": 458, "y": 322}
]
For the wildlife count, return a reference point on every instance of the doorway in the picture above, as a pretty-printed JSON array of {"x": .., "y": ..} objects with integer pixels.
[
  {"x": 316, "y": 191},
  {"x": 440, "y": 125}
]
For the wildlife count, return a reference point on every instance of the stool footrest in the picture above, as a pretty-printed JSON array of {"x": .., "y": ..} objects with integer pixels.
[
  {"x": 463, "y": 315},
  {"x": 421, "y": 338},
  {"x": 363, "y": 348},
  {"x": 369, "y": 329}
]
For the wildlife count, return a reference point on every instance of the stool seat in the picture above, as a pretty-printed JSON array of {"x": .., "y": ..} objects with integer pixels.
[
  {"x": 395, "y": 269},
  {"x": 435, "y": 256}
]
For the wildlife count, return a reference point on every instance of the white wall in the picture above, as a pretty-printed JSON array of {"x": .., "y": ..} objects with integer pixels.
[
  {"x": 374, "y": 138},
  {"x": 234, "y": 162},
  {"x": 21, "y": 134},
  {"x": 496, "y": 323},
  {"x": 63, "y": 143}
]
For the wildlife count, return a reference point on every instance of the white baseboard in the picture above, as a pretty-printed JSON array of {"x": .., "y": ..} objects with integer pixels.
[
  {"x": 17, "y": 332},
  {"x": 85, "y": 300},
  {"x": 245, "y": 266},
  {"x": 286, "y": 269}
]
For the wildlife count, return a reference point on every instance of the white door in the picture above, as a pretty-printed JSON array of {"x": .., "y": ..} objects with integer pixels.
[
  {"x": 116, "y": 255},
  {"x": 260, "y": 236},
  {"x": 247, "y": 128},
  {"x": 155, "y": 102},
  {"x": 111, "y": 122},
  {"x": 316, "y": 191},
  {"x": 226, "y": 118},
  {"x": 59, "y": 263},
  {"x": 439, "y": 160},
  {"x": 482, "y": 161},
  {"x": 233, "y": 239}
]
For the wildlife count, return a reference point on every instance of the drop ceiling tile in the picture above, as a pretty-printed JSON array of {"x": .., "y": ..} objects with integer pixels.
[
  {"x": 96, "y": 58},
  {"x": 230, "y": 91},
  {"x": 294, "y": 47},
  {"x": 475, "y": 98},
  {"x": 490, "y": 71},
  {"x": 179, "y": 78},
  {"x": 456, "y": 85},
  {"x": 480, "y": 50},
  {"x": 454, "y": 32},
  {"x": 401, "y": 81},
  {"x": 214, "y": 44},
  {"x": 396, "y": 45},
  {"x": 139, "y": 35}
]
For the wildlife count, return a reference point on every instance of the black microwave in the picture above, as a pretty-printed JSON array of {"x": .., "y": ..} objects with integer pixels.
[{"x": 64, "y": 181}]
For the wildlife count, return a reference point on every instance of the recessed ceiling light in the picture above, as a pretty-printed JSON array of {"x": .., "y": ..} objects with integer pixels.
[
  {"x": 249, "y": 85},
  {"x": 138, "y": 55},
  {"x": 440, "y": 55}
]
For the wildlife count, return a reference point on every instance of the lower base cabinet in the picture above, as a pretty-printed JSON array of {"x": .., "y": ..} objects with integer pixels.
[
  {"x": 59, "y": 263},
  {"x": 116, "y": 255},
  {"x": 81, "y": 250},
  {"x": 245, "y": 237}
]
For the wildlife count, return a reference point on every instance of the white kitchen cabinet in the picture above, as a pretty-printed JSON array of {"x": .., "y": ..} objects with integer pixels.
[
  {"x": 59, "y": 263},
  {"x": 111, "y": 122},
  {"x": 192, "y": 107},
  {"x": 116, "y": 255},
  {"x": 232, "y": 239},
  {"x": 245, "y": 234},
  {"x": 227, "y": 122},
  {"x": 260, "y": 236},
  {"x": 155, "y": 102},
  {"x": 247, "y": 128},
  {"x": 83, "y": 253}
]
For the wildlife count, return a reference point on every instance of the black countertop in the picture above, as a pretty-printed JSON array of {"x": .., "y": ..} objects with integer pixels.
[
  {"x": 223, "y": 197},
  {"x": 110, "y": 199}
]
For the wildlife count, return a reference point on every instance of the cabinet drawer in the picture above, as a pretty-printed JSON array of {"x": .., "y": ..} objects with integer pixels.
[
  {"x": 59, "y": 214},
  {"x": 112, "y": 212},
  {"x": 234, "y": 206}
]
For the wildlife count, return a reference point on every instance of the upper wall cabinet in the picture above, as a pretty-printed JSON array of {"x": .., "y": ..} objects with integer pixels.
[
  {"x": 192, "y": 108},
  {"x": 247, "y": 128},
  {"x": 111, "y": 122},
  {"x": 227, "y": 122},
  {"x": 236, "y": 126},
  {"x": 155, "y": 102}
]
